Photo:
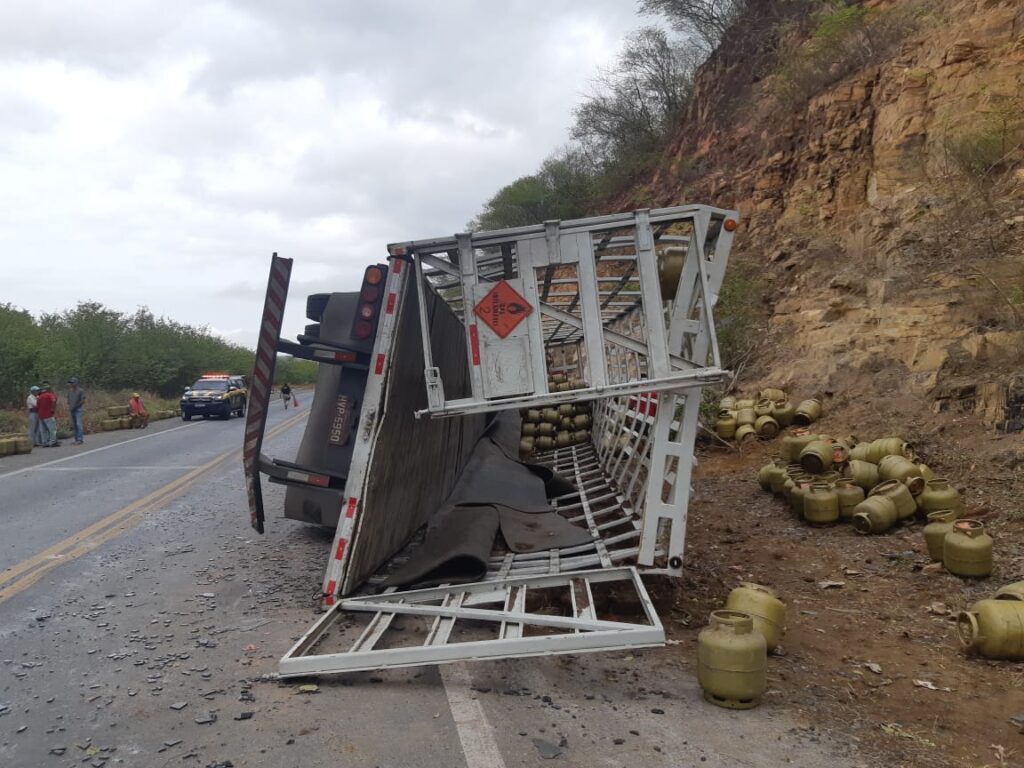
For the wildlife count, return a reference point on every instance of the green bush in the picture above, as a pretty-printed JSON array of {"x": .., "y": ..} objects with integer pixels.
[
  {"x": 739, "y": 313},
  {"x": 992, "y": 144}
]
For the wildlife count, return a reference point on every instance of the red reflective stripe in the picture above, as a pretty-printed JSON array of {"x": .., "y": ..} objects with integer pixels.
[
  {"x": 341, "y": 549},
  {"x": 474, "y": 342},
  {"x": 331, "y": 586},
  {"x": 397, "y": 266},
  {"x": 328, "y": 600},
  {"x": 321, "y": 480},
  {"x": 351, "y": 511},
  {"x": 379, "y": 367},
  {"x": 390, "y": 305}
]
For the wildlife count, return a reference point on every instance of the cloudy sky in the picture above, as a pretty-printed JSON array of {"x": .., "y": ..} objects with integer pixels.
[{"x": 156, "y": 153}]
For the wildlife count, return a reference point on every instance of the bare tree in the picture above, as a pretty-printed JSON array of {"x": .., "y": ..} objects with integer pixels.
[{"x": 708, "y": 20}]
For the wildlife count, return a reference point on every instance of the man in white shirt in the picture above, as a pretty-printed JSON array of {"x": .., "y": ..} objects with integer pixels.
[{"x": 33, "y": 418}]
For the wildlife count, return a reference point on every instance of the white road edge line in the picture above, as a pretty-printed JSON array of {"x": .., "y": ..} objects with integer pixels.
[
  {"x": 97, "y": 450},
  {"x": 118, "y": 469},
  {"x": 475, "y": 730}
]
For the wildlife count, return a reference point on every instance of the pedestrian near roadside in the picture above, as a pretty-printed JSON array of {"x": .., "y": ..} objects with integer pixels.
[
  {"x": 46, "y": 409},
  {"x": 33, "y": 415},
  {"x": 286, "y": 395},
  {"x": 137, "y": 410},
  {"x": 76, "y": 404}
]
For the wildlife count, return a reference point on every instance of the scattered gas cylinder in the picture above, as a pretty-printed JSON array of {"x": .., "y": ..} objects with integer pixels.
[
  {"x": 784, "y": 413},
  {"x": 840, "y": 453},
  {"x": 745, "y": 416},
  {"x": 876, "y": 514},
  {"x": 861, "y": 452},
  {"x": 745, "y": 432},
  {"x": 926, "y": 472},
  {"x": 821, "y": 505},
  {"x": 807, "y": 412},
  {"x": 863, "y": 473},
  {"x": 1014, "y": 591},
  {"x": 939, "y": 494},
  {"x": 764, "y": 607},
  {"x": 816, "y": 457},
  {"x": 777, "y": 477},
  {"x": 967, "y": 550},
  {"x": 726, "y": 425},
  {"x": 850, "y": 495},
  {"x": 993, "y": 629},
  {"x": 801, "y": 486},
  {"x": 774, "y": 394},
  {"x": 763, "y": 408},
  {"x": 899, "y": 468},
  {"x": 727, "y": 403},
  {"x": 764, "y": 477},
  {"x": 940, "y": 522},
  {"x": 732, "y": 661},
  {"x": 670, "y": 267},
  {"x": 766, "y": 427},
  {"x": 544, "y": 443},
  {"x": 890, "y": 446},
  {"x": 744, "y": 402},
  {"x": 900, "y": 496},
  {"x": 794, "y": 442}
]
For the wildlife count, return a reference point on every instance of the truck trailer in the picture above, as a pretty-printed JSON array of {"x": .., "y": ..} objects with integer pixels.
[{"x": 450, "y": 542}]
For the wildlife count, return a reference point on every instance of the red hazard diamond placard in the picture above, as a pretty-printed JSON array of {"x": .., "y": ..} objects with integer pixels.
[{"x": 502, "y": 309}]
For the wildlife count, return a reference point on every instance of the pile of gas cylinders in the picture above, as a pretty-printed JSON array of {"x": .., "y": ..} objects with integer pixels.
[
  {"x": 875, "y": 486},
  {"x": 557, "y": 426},
  {"x": 732, "y": 651},
  {"x": 742, "y": 418}
]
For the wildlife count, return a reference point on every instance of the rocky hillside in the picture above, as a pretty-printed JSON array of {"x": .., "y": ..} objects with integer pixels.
[{"x": 876, "y": 160}]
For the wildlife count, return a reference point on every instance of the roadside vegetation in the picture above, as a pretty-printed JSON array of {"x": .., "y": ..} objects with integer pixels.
[{"x": 114, "y": 354}]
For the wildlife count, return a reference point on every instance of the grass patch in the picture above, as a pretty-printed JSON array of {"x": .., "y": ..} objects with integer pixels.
[{"x": 96, "y": 404}]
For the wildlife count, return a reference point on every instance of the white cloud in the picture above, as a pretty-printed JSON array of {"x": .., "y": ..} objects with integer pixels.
[{"x": 156, "y": 154}]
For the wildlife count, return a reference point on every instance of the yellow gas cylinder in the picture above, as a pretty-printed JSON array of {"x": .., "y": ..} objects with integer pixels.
[
  {"x": 582, "y": 421},
  {"x": 863, "y": 473},
  {"x": 563, "y": 439},
  {"x": 529, "y": 430},
  {"x": 533, "y": 416},
  {"x": 764, "y": 477},
  {"x": 550, "y": 415},
  {"x": 939, "y": 494},
  {"x": 994, "y": 629},
  {"x": 876, "y": 514},
  {"x": 544, "y": 429},
  {"x": 732, "y": 661},
  {"x": 544, "y": 443},
  {"x": 670, "y": 267},
  {"x": 900, "y": 496},
  {"x": 727, "y": 403},
  {"x": 794, "y": 442},
  {"x": 967, "y": 550},
  {"x": 526, "y": 447},
  {"x": 816, "y": 457},
  {"x": 940, "y": 522},
  {"x": 821, "y": 505},
  {"x": 744, "y": 402},
  {"x": 763, "y": 408},
  {"x": 745, "y": 416},
  {"x": 766, "y": 427},
  {"x": 777, "y": 477},
  {"x": 902, "y": 469},
  {"x": 725, "y": 426},
  {"x": 850, "y": 495},
  {"x": 581, "y": 436},
  {"x": 784, "y": 413},
  {"x": 807, "y": 412},
  {"x": 1014, "y": 591},
  {"x": 764, "y": 607},
  {"x": 566, "y": 410},
  {"x": 745, "y": 432},
  {"x": 774, "y": 394}
]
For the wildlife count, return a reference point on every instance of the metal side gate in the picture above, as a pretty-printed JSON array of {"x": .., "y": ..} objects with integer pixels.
[{"x": 622, "y": 303}]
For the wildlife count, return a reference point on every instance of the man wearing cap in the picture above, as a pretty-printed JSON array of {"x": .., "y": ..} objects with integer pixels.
[
  {"x": 46, "y": 410},
  {"x": 33, "y": 416},
  {"x": 76, "y": 404},
  {"x": 137, "y": 410}
]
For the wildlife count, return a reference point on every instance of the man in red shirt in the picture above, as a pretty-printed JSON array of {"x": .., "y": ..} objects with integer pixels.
[
  {"x": 46, "y": 410},
  {"x": 137, "y": 410}
]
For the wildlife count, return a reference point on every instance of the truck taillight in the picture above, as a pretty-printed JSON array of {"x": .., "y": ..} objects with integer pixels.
[{"x": 370, "y": 295}]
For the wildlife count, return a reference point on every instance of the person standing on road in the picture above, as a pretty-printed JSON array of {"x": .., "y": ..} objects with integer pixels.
[
  {"x": 137, "y": 410},
  {"x": 46, "y": 410},
  {"x": 286, "y": 395},
  {"x": 76, "y": 404},
  {"x": 33, "y": 415}
]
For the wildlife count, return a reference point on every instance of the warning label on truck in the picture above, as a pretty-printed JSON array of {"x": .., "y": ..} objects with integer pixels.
[{"x": 502, "y": 309}]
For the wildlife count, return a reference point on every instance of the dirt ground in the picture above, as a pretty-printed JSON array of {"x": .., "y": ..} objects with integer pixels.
[{"x": 888, "y": 613}]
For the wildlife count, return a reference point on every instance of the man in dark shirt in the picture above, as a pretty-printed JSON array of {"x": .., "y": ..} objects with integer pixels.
[
  {"x": 46, "y": 410},
  {"x": 76, "y": 404}
]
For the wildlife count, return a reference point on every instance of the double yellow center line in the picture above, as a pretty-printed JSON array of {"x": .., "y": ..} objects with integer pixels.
[{"x": 20, "y": 577}]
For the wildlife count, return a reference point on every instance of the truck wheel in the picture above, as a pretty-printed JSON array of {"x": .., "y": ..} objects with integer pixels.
[
  {"x": 316, "y": 303},
  {"x": 186, "y": 417},
  {"x": 226, "y": 415}
]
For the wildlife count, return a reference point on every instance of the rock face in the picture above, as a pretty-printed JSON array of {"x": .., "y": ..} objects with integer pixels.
[{"x": 889, "y": 261}]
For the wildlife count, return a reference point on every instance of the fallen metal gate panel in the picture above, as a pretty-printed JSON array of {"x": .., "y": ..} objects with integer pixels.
[{"x": 499, "y": 608}]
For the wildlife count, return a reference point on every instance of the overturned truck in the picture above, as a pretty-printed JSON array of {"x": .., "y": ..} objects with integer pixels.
[{"x": 449, "y": 544}]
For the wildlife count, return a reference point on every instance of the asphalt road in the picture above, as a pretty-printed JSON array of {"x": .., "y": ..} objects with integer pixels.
[{"x": 151, "y": 641}]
